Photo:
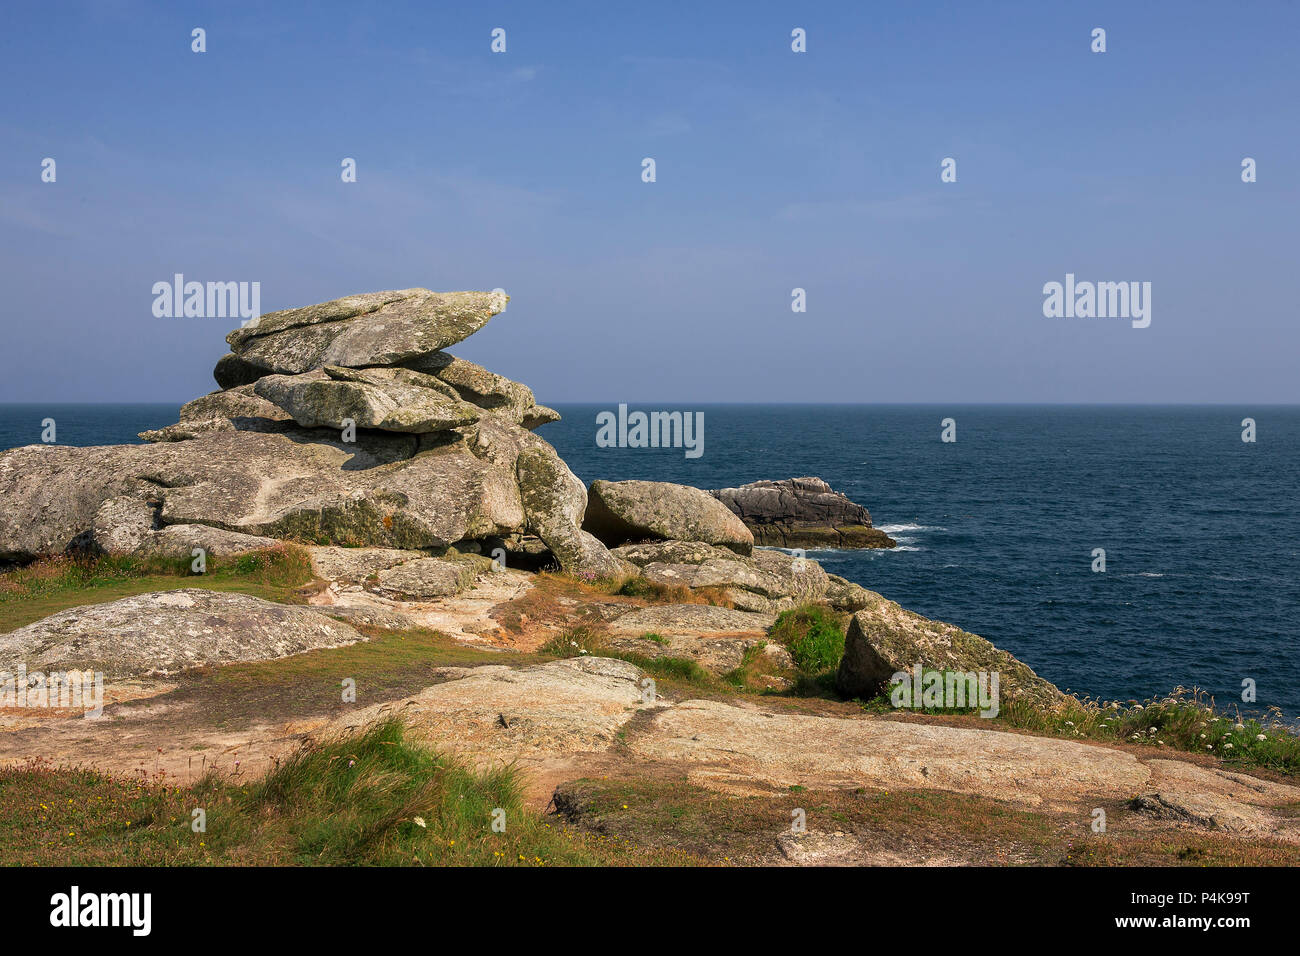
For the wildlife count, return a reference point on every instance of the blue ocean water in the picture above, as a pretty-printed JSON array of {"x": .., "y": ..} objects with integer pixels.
[{"x": 997, "y": 529}]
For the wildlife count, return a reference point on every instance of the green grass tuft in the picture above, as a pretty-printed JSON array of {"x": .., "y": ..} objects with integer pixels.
[{"x": 814, "y": 636}]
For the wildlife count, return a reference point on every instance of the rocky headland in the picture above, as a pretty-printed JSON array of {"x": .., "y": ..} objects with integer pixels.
[{"x": 452, "y": 566}]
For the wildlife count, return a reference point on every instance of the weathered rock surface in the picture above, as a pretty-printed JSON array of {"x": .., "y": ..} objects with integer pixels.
[
  {"x": 623, "y": 511},
  {"x": 747, "y": 750},
  {"x": 426, "y": 578},
  {"x": 239, "y": 408},
  {"x": 691, "y": 619},
  {"x": 554, "y": 500},
  {"x": 844, "y": 595},
  {"x": 803, "y": 579},
  {"x": 433, "y": 461},
  {"x": 497, "y": 714},
  {"x": 884, "y": 638},
  {"x": 365, "y": 401},
  {"x": 180, "y": 540},
  {"x": 716, "y": 638},
  {"x": 167, "y": 632},
  {"x": 802, "y": 513},
  {"x": 1217, "y": 799},
  {"x": 356, "y": 565},
  {"x": 382, "y": 328},
  {"x": 388, "y": 490},
  {"x": 716, "y": 653},
  {"x": 671, "y": 552},
  {"x": 231, "y": 371},
  {"x": 766, "y": 581},
  {"x": 121, "y": 524},
  {"x": 489, "y": 391},
  {"x": 731, "y": 576}
]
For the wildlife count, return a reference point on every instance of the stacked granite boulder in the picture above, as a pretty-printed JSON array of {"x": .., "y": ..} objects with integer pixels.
[{"x": 340, "y": 423}]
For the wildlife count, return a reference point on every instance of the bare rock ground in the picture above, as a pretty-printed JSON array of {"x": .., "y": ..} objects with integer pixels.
[{"x": 585, "y": 716}]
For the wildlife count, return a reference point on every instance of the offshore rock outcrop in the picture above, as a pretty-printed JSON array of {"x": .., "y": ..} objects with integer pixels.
[{"x": 802, "y": 513}]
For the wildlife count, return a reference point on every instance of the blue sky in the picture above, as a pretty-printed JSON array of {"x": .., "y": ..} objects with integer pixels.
[{"x": 775, "y": 170}]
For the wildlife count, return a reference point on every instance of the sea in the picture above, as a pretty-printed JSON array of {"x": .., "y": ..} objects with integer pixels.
[{"x": 998, "y": 531}]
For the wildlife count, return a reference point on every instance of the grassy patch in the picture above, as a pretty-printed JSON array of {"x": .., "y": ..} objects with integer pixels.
[
  {"x": 575, "y": 642},
  {"x": 375, "y": 799},
  {"x": 900, "y": 696},
  {"x": 814, "y": 636},
  {"x": 584, "y": 641},
  {"x": 655, "y": 593},
  {"x": 55, "y": 584},
  {"x": 389, "y": 666},
  {"x": 906, "y": 825},
  {"x": 1184, "y": 720}
]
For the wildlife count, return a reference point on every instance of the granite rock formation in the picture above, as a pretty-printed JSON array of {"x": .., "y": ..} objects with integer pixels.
[{"x": 802, "y": 513}]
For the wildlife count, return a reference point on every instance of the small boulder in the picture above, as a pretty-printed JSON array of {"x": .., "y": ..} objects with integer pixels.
[
  {"x": 554, "y": 500},
  {"x": 356, "y": 565},
  {"x": 843, "y": 595},
  {"x": 180, "y": 540},
  {"x": 623, "y": 511},
  {"x": 803, "y": 578},
  {"x": 427, "y": 578},
  {"x": 691, "y": 619},
  {"x": 231, "y": 371},
  {"x": 167, "y": 632}
]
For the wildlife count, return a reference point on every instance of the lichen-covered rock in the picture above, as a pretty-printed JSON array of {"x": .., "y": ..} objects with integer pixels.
[
  {"x": 623, "y": 511},
  {"x": 371, "y": 402},
  {"x": 335, "y": 310},
  {"x": 843, "y": 595},
  {"x": 802, "y": 513},
  {"x": 356, "y": 565},
  {"x": 128, "y": 524},
  {"x": 554, "y": 500},
  {"x": 238, "y": 408},
  {"x": 495, "y": 393},
  {"x": 690, "y": 619},
  {"x": 803, "y": 578},
  {"x": 388, "y": 490},
  {"x": 498, "y": 713},
  {"x": 537, "y": 415},
  {"x": 426, "y": 578},
  {"x": 884, "y": 639},
  {"x": 51, "y": 494},
  {"x": 167, "y": 632},
  {"x": 671, "y": 552},
  {"x": 180, "y": 541},
  {"x": 384, "y": 328},
  {"x": 121, "y": 524},
  {"x": 231, "y": 371},
  {"x": 713, "y": 573}
]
